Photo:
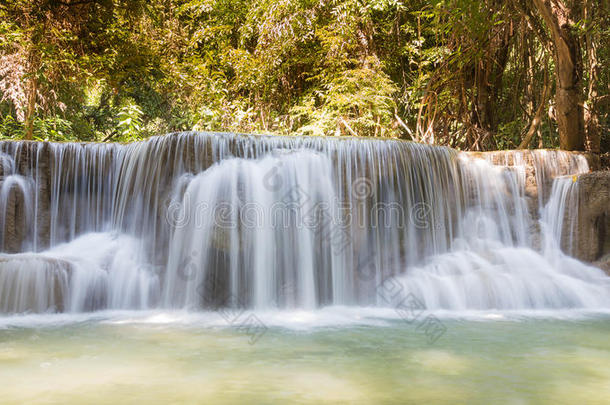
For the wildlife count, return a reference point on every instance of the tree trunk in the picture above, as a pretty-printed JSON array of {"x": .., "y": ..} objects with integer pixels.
[
  {"x": 489, "y": 72},
  {"x": 568, "y": 70},
  {"x": 591, "y": 108}
]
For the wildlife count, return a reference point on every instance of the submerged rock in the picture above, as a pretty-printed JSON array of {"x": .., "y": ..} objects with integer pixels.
[{"x": 33, "y": 283}]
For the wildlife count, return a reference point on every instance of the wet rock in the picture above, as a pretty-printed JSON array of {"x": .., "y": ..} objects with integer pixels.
[
  {"x": 14, "y": 226},
  {"x": 540, "y": 169},
  {"x": 33, "y": 283},
  {"x": 592, "y": 235},
  {"x": 604, "y": 264},
  {"x": 535, "y": 235}
]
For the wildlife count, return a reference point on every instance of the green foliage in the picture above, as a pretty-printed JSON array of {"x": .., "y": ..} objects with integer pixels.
[
  {"x": 360, "y": 99},
  {"x": 452, "y": 72},
  {"x": 10, "y": 128},
  {"x": 510, "y": 134},
  {"x": 54, "y": 128},
  {"x": 130, "y": 123}
]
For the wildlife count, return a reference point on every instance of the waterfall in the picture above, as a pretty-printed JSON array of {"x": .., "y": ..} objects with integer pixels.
[
  {"x": 560, "y": 225},
  {"x": 212, "y": 220}
]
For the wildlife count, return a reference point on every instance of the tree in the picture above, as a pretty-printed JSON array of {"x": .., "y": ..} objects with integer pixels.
[
  {"x": 486, "y": 74},
  {"x": 49, "y": 51},
  {"x": 560, "y": 17}
]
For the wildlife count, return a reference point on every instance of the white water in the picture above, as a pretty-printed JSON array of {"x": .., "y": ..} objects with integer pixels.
[
  {"x": 96, "y": 270},
  {"x": 206, "y": 221}
]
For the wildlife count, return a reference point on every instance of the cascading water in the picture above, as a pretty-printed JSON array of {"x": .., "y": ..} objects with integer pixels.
[
  {"x": 555, "y": 215},
  {"x": 201, "y": 221}
]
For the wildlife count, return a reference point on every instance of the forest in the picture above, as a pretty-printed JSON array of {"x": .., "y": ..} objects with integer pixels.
[{"x": 473, "y": 75}]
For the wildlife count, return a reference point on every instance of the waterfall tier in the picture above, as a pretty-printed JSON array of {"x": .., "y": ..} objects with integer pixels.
[{"x": 204, "y": 221}]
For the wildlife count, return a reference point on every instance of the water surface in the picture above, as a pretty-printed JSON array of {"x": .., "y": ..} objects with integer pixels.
[{"x": 340, "y": 355}]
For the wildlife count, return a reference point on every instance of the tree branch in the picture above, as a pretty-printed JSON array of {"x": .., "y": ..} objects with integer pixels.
[{"x": 539, "y": 112}]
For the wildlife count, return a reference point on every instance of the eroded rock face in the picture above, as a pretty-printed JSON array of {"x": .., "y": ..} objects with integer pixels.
[
  {"x": 542, "y": 166},
  {"x": 32, "y": 283},
  {"x": 13, "y": 218},
  {"x": 592, "y": 236},
  {"x": 587, "y": 238},
  {"x": 24, "y": 194}
]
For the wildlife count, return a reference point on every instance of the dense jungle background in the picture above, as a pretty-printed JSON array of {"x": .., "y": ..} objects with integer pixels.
[{"x": 474, "y": 75}]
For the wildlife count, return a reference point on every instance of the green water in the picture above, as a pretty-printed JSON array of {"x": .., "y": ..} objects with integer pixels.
[{"x": 527, "y": 361}]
